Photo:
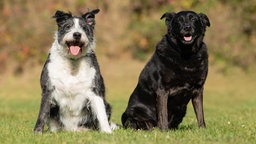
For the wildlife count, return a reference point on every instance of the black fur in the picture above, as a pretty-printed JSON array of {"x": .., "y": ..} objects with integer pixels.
[{"x": 175, "y": 74}]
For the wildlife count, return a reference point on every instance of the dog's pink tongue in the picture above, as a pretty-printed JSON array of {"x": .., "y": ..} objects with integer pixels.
[
  {"x": 187, "y": 38},
  {"x": 74, "y": 50}
]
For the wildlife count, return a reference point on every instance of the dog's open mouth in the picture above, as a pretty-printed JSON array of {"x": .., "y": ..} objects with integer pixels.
[
  {"x": 74, "y": 47},
  {"x": 187, "y": 37}
]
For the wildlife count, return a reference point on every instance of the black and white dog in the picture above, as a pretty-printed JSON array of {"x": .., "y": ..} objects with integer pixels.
[
  {"x": 73, "y": 92},
  {"x": 175, "y": 74}
]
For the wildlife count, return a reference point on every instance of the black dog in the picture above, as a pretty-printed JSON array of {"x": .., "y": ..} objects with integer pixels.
[
  {"x": 175, "y": 74},
  {"x": 73, "y": 91}
]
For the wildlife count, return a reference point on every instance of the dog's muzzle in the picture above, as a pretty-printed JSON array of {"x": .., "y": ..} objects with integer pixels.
[
  {"x": 187, "y": 37},
  {"x": 75, "y": 47},
  {"x": 187, "y": 34}
]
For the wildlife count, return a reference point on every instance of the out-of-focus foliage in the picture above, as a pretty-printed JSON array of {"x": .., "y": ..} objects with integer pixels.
[
  {"x": 145, "y": 26},
  {"x": 237, "y": 30},
  {"x": 231, "y": 38},
  {"x": 27, "y": 29}
]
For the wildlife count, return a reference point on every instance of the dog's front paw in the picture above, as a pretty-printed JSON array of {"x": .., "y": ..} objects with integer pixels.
[
  {"x": 38, "y": 130},
  {"x": 106, "y": 130},
  {"x": 113, "y": 126}
]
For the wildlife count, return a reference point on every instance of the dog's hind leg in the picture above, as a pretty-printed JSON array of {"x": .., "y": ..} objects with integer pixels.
[
  {"x": 54, "y": 123},
  {"x": 175, "y": 116},
  {"x": 139, "y": 116}
]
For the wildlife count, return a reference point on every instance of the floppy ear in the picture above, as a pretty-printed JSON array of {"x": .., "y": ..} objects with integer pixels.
[
  {"x": 90, "y": 16},
  {"x": 61, "y": 16},
  {"x": 204, "y": 19},
  {"x": 168, "y": 17}
]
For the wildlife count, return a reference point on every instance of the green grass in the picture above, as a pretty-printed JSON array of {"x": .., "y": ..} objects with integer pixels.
[{"x": 229, "y": 105}]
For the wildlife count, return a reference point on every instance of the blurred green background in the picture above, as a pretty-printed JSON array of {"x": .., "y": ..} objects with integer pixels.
[
  {"x": 127, "y": 32},
  {"x": 126, "y": 29}
]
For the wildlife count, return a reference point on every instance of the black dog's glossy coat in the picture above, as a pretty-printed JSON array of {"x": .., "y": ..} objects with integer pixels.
[{"x": 175, "y": 74}]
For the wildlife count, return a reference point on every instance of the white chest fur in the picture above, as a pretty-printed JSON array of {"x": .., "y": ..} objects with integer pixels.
[{"x": 72, "y": 88}]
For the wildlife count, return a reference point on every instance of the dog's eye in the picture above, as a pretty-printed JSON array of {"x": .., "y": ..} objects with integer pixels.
[
  {"x": 193, "y": 19},
  {"x": 181, "y": 19},
  {"x": 68, "y": 26},
  {"x": 83, "y": 24}
]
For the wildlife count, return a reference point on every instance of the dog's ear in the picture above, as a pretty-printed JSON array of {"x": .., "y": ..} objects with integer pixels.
[
  {"x": 61, "y": 16},
  {"x": 90, "y": 16},
  {"x": 168, "y": 17},
  {"x": 95, "y": 11},
  {"x": 204, "y": 19}
]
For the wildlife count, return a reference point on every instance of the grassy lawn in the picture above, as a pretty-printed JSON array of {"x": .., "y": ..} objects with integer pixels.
[{"x": 229, "y": 104}]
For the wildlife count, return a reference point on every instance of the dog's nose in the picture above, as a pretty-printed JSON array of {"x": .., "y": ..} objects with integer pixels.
[
  {"x": 77, "y": 35},
  {"x": 187, "y": 28}
]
